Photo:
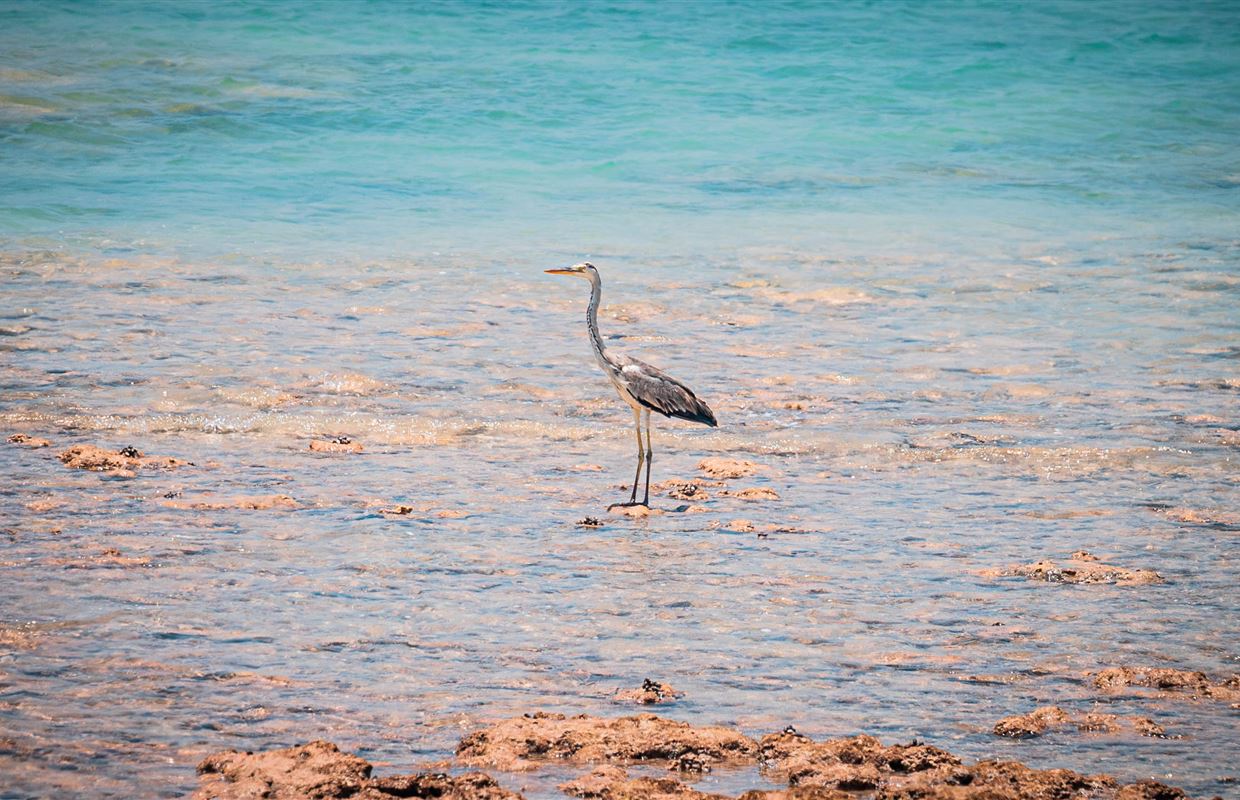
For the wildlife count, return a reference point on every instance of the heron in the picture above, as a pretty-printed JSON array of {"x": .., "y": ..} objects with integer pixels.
[{"x": 643, "y": 387}]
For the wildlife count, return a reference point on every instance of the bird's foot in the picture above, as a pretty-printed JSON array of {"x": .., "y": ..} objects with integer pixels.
[{"x": 629, "y": 504}]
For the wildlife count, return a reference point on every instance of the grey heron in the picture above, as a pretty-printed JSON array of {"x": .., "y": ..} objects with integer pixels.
[{"x": 643, "y": 387}]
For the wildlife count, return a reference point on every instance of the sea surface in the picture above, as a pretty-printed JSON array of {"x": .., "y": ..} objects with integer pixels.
[{"x": 961, "y": 279}]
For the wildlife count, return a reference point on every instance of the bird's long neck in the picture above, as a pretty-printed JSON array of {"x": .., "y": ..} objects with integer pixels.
[{"x": 596, "y": 291}]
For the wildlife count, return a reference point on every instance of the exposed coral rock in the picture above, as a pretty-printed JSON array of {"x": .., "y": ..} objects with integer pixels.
[
  {"x": 1035, "y": 723},
  {"x": 320, "y": 770},
  {"x": 26, "y": 440},
  {"x": 127, "y": 459},
  {"x": 515, "y": 744},
  {"x": 1169, "y": 680},
  {"x": 923, "y": 772},
  {"x": 1149, "y": 790},
  {"x": 727, "y": 468},
  {"x": 1079, "y": 570},
  {"x": 649, "y": 693},
  {"x": 741, "y": 526},
  {"x": 858, "y": 763}
]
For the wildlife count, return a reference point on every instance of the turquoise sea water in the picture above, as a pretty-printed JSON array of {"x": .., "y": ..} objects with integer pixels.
[{"x": 329, "y": 130}]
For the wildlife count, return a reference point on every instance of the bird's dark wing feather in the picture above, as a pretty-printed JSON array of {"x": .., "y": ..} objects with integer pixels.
[{"x": 658, "y": 391}]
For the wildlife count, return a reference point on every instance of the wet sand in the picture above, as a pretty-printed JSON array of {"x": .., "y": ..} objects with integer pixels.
[{"x": 279, "y": 505}]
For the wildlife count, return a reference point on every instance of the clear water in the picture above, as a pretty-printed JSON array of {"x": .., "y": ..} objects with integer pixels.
[{"x": 963, "y": 278}]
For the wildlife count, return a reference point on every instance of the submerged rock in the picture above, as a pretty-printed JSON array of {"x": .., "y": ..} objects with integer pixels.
[
  {"x": 337, "y": 444},
  {"x": 752, "y": 493},
  {"x": 727, "y": 468},
  {"x": 1167, "y": 679},
  {"x": 320, "y": 770},
  {"x": 633, "y": 512},
  {"x": 1040, "y": 720},
  {"x": 684, "y": 490},
  {"x": 613, "y": 783},
  {"x": 518, "y": 743},
  {"x": 264, "y": 502},
  {"x": 127, "y": 459},
  {"x": 26, "y": 440},
  {"x": 1078, "y": 569}
]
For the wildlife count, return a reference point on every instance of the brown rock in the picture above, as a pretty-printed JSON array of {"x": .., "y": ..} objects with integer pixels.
[
  {"x": 858, "y": 763},
  {"x": 727, "y": 468},
  {"x": 517, "y": 743},
  {"x": 613, "y": 783},
  {"x": 1150, "y": 790},
  {"x": 798, "y": 793},
  {"x": 649, "y": 693},
  {"x": 1034, "y": 723},
  {"x": 827, "y": 770},
  {"x": 1011, "y": 779},
  {"x": 125, "y": 460},
  {"x": 26, "y": 440},
  {"x": 597, "y": 783},
  {"x": 319, "y": 770},
  {"x": 1077, "y": 570}
]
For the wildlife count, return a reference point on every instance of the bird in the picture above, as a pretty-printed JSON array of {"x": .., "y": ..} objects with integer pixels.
[{"x": 643, "y": 387}]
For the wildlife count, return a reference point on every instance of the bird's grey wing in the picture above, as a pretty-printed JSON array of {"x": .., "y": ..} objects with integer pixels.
[{"x": 658, "y": 391}]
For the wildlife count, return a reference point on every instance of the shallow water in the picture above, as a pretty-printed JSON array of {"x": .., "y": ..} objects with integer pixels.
[
  {"x": 917, "y": 434},
  {"x": 962, "y": 281}
]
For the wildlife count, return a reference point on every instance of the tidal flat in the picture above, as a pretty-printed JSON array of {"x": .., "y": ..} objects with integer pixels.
[{"x": 247, "y": 509}]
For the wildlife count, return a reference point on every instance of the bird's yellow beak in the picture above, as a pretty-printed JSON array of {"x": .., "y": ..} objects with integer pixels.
[{"x": 561, "y": 271}]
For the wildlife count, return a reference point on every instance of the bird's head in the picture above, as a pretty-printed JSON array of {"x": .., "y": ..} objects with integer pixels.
[{"x": 583, "y": 270}]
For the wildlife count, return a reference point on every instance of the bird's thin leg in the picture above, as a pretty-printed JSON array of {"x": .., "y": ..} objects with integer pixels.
[
  {"x": 649, "y": 455},
  {"x": 637, "y": 420}
]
